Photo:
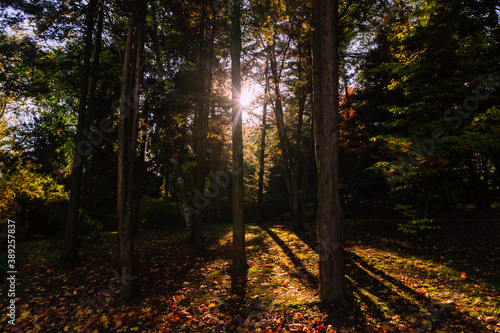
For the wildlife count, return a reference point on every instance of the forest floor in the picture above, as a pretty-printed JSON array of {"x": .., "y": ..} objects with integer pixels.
[{"x": 447, "y": 281}]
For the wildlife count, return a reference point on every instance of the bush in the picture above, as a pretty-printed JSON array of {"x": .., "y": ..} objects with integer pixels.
[
  {"x": 417, "y": 226},
  {"x": 35, "y": 201},
  {"x": 88, "y": 225},
  {"x": 157, "y": 213},
  {"x": 414, "y": 225}
]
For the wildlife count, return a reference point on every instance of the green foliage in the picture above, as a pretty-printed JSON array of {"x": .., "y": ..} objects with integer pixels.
[
  {"x": 35, "y": 201},
  {"x": 89, "y": 225},
  {"x": 156, "y": 213},
  {"x": 417, "y": 226},
  {"x": 414, "y": 225}
]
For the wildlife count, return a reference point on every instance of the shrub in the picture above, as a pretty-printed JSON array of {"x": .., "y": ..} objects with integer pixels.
[
  {"x": 417, "y": 226},
  {"x": 35, "y": 201},
  {"x": 414, "y": 225},
  {"x": 156, "y": 213}
]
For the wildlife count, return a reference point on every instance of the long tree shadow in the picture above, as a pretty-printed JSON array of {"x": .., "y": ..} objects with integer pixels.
[
  {"x": 462, "y": 245},
  {"x": 390, "y": 300},
  {"x": 166, "y": 265},
  {"x": 303, "y": 274}
]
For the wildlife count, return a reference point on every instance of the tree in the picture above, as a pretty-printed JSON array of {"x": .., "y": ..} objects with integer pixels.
[
  {"x": 436, "y": 84},
  {"x": 333, "y": 287},
  {"x": 262, "y": 153},
  {"x": 127, "y": 144},
  {"x": 206, "y": 45},
  {"x": 70, "y": 245},
  {"x": 239, "y": 266}
]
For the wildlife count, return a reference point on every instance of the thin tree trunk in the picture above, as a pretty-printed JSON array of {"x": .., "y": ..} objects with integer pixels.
[
  {"x": 70, "y": 252},
  {"x": 239, "y": 266},
  {"x": 305, "y": 176},
  {"x": 297, "y": 221},
  {"x": 127, "y": 142},
  {"x": 202, "y": 128},
  {"x": 333, "y": 287},
  {"x": 95, "y": 71},
  {"x": 260, "y": 193},
  {"x": 141, "y": 170},
  {"x": 184, "y": 189},
  {"x": 282, "y": 135},
  {"x": 124, "y": 232}
]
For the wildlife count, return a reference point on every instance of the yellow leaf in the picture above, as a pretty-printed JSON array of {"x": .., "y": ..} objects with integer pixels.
[
  {"x": 463, "y": 276},
  {"x": 103, "y": 319}
]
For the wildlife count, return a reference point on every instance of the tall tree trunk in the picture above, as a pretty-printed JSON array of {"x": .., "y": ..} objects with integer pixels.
[
  {"x": 297, "y": 221},
  {"x": 333, "y": 287},
  {"x": 94, "y": 75},
  {"x": 127, "y": 143},
  {"x": 305, "y": 176},
  {"x": 239, "y": 266},
  {"x": 202, "y": 126},
  {"x": 70, "y": 252},
  {"x": 184, "y": 189},
  {"x": 260, "y": 192},
  {"x": 282, "y": 135},
  {"x": 141, "y": 170}
]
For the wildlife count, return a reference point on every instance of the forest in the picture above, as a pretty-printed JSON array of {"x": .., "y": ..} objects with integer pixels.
[{"x": 250, "y": 166}]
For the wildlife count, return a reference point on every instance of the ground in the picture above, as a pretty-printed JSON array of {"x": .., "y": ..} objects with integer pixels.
[{"x": 445, "y": 280}]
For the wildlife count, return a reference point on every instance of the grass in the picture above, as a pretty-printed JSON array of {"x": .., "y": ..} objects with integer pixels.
[{"x": 444, "y": 281}]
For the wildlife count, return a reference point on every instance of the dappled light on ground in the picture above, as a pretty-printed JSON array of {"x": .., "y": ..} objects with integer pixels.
[{"x": 396, "y": 288}]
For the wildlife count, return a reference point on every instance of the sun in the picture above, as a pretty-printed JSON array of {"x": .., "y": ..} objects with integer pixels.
[{"x": 247, "y": 97}]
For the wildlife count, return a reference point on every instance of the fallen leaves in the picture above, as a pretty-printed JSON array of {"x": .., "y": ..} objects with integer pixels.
[{"x": 394, "y": 291}]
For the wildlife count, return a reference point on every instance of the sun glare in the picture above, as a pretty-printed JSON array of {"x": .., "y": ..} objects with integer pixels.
[{"x": 247, "y": 97}]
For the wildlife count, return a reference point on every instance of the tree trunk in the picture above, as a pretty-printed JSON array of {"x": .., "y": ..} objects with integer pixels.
[
  {"x": 239, "y": 266},
  {"x": 260, "y": 193},
  {"x": 141, "y": 170},
  {"x": 184, "y": 189},
  {"x": 70, "y": 252},
  {"x": 297, "y": 221},
  {"x": 333, "y": 287},
  {"x": 127, "y": 142},
  {"x": 305, "y": 176},
  {"x": 202, "y": 126},
  {"x": 282, "y": 135}
]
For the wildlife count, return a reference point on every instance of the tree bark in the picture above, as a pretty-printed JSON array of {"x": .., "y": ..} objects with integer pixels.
[
  {"x": 333, "y": 287},
  {"x": 239, "y": 266},
  {"x": 260, "y": 192},
  {"x": 297, "y": 221},
  {"x": 127, "y": 142},
  {"x": 70, "y": 252},
  {"x": 305, "y": 176},
  {"x": 282, "y": 135},
  {"x": 201, "y": 120}
]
